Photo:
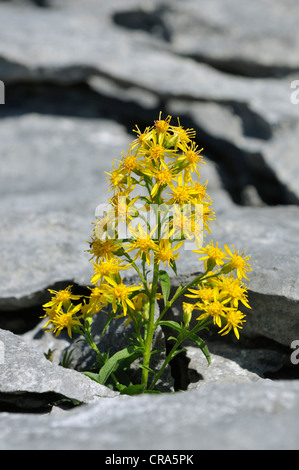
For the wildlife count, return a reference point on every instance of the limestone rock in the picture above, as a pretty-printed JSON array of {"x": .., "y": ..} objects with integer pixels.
[
  {"x": 269, "y": 236},
  {"x": 221, "y": 370},
  {"x": 29, "y": 380},
  {"x": 241, "y": 416}
]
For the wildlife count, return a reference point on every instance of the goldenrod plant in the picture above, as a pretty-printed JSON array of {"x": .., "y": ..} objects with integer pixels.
[{"x": 158, "y": 207}]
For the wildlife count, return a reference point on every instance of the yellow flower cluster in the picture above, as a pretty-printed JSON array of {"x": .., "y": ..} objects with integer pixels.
[
  {"x": 219, "y": 295},
  {"x": 158, "y": 175}
]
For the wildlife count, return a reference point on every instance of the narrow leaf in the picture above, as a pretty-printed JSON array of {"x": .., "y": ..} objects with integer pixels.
[
  {"x": 165, "y": 285},
  {"x": 171, "y": 324},
  {"x": 202, "y": 345},
  {"x": 126, "y": 355},
  {"x": 92, "y": 376},
  {"x": 132, "y": 390}
]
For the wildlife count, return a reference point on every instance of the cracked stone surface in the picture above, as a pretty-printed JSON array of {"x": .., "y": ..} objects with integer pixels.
[{"x": 78, "y": 76}]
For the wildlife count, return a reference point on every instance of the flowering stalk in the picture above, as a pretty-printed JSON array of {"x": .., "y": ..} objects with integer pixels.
[{"x": 158, "y": 205}]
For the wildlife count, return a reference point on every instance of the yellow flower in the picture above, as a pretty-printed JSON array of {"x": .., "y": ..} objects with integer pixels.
[
  {"x": 117, "y": 178},
  {"x": 200, "y": 191},
  {"x": 142, "y": 242},
  {"x": 143, "y": 138},
  {"x": 187, "y": 312},
  {"x": 191, "y": 159},
  {"x": 182, "y": 193},
  {"x": 118, "y": 294},
  {"x": 212, "y": 255},
  {"x": 163, "y": 177},
  {"x": 233, "y": 289},
  {"x": 65, "y": 320},
  {"x": 234, "y": 319},
  {"x": 123, "y": 206},
  {"x": 204, "y": 293},
  {"x": 216, "y": 309},
  {"x": 238, "y": 262},
  {"x": 207, "y": 214},
  {"x": 162, "y": 125},
  {"x": 181, "y": 136},
  {"x": 107, "y": 267},
  {"x": 156, "y": 152},
  {"x": 165, "y": 252},
  {"x": 104, "y": 248},
  {"x": 129, "y": 162},
  {"x": 97, "y": 301},
  {"x": 60, "y": 298}
]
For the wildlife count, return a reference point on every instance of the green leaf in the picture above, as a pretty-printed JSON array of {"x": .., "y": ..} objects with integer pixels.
[
  {"x": 92, "y": 376},
  {"x": 202, "y": 345},
  {"x": 110, "y": 317},
  {"x": 171, "y": 324},
  {"x": 132, "y": 390},
  {"x": 165, "y": 284},
  {"x": 119, "y": 360},
  {"x": 170, "y": 338},
  {"x": 173, "y": 266}
]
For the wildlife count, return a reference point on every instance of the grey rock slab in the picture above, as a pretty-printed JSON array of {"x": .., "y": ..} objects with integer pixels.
[
  {"x": 281, "y": 156},
  {"x": 39, "y": 250},
  {"x": 254, "y": 415},
  {"x": 54, "y": 163},
  {"x": 269, "y": 235},
  {"x": 257, "y": 38},
  {"x": 52, "y": 180},
  {"x": 255, "y": 145},
  {"x": 136, "y": 61},
  {"x": 26, "y": 373},
  {"x": 221, "y": 369}
]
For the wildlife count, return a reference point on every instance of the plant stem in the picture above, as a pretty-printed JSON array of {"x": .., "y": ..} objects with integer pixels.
[
  {"x": 90, "y": 341},
  {"x": 166, "y": 362},
  {"x": 184, "y": 334},
  {"x": 150, "y": 328},
  {"x": 181, "y": 291}
]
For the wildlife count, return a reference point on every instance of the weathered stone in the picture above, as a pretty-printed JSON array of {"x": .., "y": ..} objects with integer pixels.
[
  {"x": 135, "y": 60},
  {"x": 241, "y": 416},
  {"x": 221, "y": 370},
  {"x": 269, "y": 236},
  {"x": 29, "y": 380},
  {"x": 49, "y": 196},
  {"x": 252, "y": 151},
  {"x": 258, "y": 39}
]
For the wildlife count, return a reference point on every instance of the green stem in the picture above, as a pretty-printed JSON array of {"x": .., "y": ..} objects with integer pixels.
[
  {"x": 150, "y": 328},
  {"x": 90, "y": 341},
  {"x": 142, "y": 278},
  {"x": 181, "y": 337},
  {"x": 166, "y": 362},
  {"x": 181, "y": 291}
]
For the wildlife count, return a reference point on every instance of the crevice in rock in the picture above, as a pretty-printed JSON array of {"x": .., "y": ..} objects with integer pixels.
[
  {"x": 150, "y": 21},
  {"x": 23, "y": 314},
  {"x": 74, "y": 100},
  {"x": 33, "y": 402},
  {"x": 236, "y": 169},
  {"x": 243, "y": 68}
]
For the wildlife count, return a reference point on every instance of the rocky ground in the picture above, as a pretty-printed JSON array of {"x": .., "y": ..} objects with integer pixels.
[{"x": 78, "y": 76}]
